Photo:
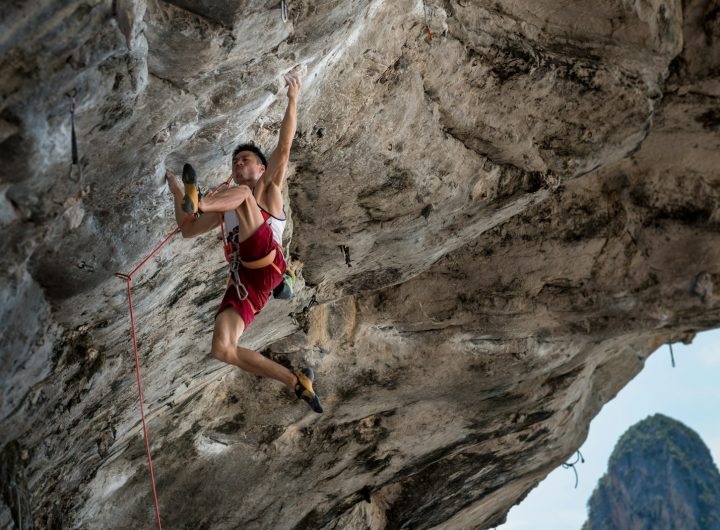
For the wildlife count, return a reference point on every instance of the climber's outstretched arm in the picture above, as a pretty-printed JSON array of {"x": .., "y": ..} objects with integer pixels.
[
  {"x": 277, "y": 165},
  {"x": 226, "y": 200}
]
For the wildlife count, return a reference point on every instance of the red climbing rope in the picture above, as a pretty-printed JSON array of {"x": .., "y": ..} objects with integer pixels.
[
  {"x": 142, "y": 408},
  {"x": 128, "y": 278}
]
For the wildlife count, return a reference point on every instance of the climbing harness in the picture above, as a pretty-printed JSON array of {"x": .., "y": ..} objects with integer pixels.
[
  {"x": 128, "y": 279},
  {"x": 283, "y": 10},
  {"x": 232, "y": 256},
  {"x": 239, "y": 285},
  {"x": 578, "y": 459}
]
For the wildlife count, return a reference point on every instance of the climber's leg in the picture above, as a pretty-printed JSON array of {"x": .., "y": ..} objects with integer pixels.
[
  {"x": 237, "y": 311},
  {"x": 229, "y": 326}
]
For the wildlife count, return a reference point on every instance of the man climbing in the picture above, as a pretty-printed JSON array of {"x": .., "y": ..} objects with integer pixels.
[{"x": 253, "y": 215}]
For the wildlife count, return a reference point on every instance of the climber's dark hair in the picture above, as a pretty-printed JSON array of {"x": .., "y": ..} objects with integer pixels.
[{"x": 253, "y": 149}]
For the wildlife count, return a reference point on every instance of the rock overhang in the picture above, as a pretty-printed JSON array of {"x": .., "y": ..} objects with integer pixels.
[{"x": 527, "y": 202}]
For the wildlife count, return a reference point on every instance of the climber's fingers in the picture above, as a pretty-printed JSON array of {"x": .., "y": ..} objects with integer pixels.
[
  {"x": 293, "y": 82},
  {"x": 170, "y": 177},
  {"x": 172, "y": 181},
  {"x": 296, "y": 72}
]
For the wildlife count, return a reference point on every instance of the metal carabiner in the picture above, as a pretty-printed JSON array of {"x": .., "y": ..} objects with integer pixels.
[
  {"x": 238, "y": 283},
  {"x": 241, "y": 297}
]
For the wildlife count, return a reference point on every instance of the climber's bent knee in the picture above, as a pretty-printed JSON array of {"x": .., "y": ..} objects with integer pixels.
[
  {"x": 229, "y": 326},
  {"x": 220, "y": 355}
]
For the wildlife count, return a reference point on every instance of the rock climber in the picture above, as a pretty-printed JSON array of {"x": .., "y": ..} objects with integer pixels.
[{"x": 254, "y": 218}]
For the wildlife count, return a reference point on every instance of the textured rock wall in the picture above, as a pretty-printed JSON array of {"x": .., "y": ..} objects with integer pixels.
[{"x": 528, "y": 198}]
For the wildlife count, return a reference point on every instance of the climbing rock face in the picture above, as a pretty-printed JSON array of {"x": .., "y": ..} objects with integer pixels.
[
  {"x": 497, "y": 212},
  {"x": 661, "y": 476}
]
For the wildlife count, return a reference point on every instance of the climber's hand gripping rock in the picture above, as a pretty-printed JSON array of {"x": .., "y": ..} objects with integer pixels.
[{"x": 294, "y": 81}]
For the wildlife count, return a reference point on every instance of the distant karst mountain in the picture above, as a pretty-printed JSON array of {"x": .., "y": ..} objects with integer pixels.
[{"x": 661, "y": 476}]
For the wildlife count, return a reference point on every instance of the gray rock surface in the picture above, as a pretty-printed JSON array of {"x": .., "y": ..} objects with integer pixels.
[{"x": 498, "y": 211}]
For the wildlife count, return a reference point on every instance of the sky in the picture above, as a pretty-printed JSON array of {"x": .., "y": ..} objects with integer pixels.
[{"x": 689, "y": 393}]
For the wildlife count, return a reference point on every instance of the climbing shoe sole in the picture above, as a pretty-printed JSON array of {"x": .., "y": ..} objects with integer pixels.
[
  {"x": 304, "y": 389},
  {"x": 192, "y": 197}
]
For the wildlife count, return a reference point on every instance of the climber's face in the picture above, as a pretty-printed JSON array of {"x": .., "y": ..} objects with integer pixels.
[{"x": 247, "y": 168}]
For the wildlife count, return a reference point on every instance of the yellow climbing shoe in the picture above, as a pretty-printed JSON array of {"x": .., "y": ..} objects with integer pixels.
[
  {"x": 304, "y": 389},
  {"x": 192, "y": 196}
]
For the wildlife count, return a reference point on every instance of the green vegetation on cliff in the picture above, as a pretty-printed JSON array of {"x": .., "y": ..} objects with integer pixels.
[{"x": 660, "y": 476}]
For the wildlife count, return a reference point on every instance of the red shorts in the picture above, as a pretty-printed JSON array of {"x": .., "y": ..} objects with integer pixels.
[{"x": 259, "y": 283}]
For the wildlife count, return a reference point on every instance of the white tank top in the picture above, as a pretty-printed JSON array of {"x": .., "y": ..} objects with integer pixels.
[{"x": 276, "y": 225}]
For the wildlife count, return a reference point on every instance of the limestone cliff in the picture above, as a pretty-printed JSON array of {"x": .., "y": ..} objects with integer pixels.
[
  {"x": 499, "y": 210},
  {"x": 661, "y": 476}
]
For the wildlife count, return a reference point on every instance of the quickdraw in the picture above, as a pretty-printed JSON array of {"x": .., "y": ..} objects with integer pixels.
[
  {"x": 73, "y": 142},
  {"x": 73, "y": 136}
]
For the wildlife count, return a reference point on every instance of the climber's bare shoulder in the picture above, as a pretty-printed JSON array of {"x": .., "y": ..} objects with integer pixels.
[{"x": 268, "y": 190}]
